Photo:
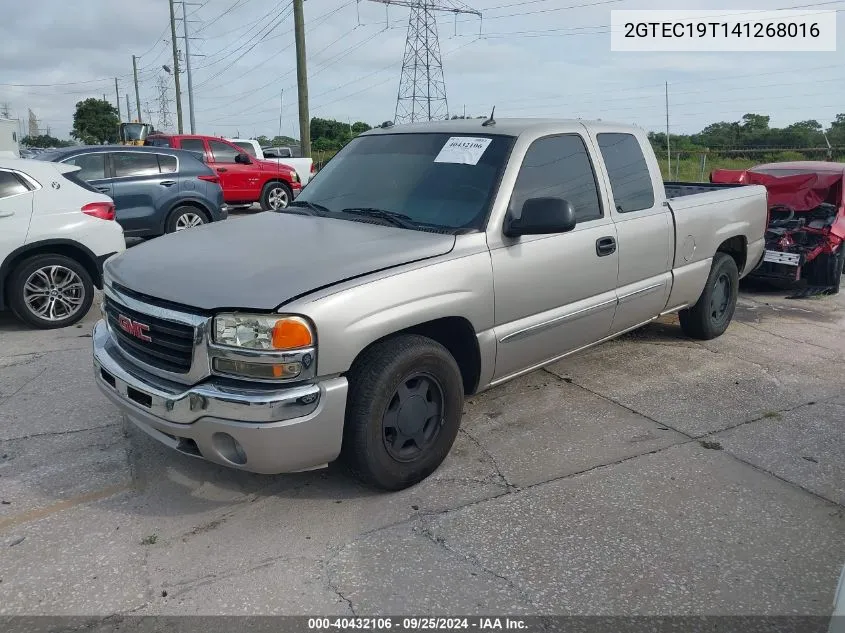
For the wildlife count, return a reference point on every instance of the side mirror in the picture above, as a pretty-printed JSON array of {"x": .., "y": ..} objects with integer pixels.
[
  {"x": 542, "y": 216},
  {"x": 243, "y": 159}
]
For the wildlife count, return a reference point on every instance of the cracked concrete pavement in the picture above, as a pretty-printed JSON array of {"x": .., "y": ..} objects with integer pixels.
[{"x": 650, "y": 475}]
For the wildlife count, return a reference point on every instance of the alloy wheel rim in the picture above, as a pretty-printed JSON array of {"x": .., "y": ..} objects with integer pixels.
[
  {"x": 414, "y": 417},
  {"x": 278, "y": 198},
  {"x": 188, "y": 220},
  {"x": 54, "y": 293}
]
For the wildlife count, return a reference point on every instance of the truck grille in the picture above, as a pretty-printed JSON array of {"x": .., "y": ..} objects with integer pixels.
[{"x": 170, "y": 346}]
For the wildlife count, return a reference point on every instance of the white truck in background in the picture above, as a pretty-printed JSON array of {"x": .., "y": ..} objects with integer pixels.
[
  {"x": 9, "y": 141},
  {"x": 304, "y": 166}
]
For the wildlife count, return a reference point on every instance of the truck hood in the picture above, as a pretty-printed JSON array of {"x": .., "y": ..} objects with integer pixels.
[{"x": 261, "y": 262}]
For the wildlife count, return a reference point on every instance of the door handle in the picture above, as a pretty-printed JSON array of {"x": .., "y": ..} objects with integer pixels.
[
  {"x": 103, "y": 189},
  {"x": 6, "y": 214},
  {"x": 222, "y": 169},
  {"x": 167, "y": 183},
  {"x": 605, "y": 246}
]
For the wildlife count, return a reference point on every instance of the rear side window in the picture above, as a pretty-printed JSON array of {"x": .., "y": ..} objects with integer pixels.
[
  {"x": 167, "y": 164},
  {"x": 158, "y": 142},
  {"x": 10, "y": 185},
  {"x": 127, "y": 164},
  {"x": 222, "y": 152},
  {"x": 193, "y": 145},
  {"x": 558, "y": 167},
  {"x": 628, "y": 172},
  {"x": 93, "y": 166}
]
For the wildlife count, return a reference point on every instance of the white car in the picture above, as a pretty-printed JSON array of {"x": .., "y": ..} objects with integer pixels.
[{"x": 56, "y": 231}]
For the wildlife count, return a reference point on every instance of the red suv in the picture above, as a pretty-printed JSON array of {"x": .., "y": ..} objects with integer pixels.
[{"x": 244, "y": 179}]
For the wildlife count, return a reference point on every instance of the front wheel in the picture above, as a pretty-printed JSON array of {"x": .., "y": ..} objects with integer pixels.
[
  {"x": 713, "y": 311},
  {"x": 275, "y": 196},
  {"x": 403, "y": 413},
  {"x": 50, "y": 291}
]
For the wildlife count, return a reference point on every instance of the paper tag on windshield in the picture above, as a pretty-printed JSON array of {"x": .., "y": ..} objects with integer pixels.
[{"x": 464, "y": 150}]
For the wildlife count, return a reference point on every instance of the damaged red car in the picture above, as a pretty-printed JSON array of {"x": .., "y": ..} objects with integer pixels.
[{"x": 805, "y": 238}]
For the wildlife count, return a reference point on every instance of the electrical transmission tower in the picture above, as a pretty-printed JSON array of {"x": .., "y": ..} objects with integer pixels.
[
  {"x": 165, "y": 122},
  {"x": 422, "y": 88}
]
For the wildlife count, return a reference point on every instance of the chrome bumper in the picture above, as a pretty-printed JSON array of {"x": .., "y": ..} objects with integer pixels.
[{"x": 263, "y": 430}]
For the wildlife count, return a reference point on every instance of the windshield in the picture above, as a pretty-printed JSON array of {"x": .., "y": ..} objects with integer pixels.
[
  {"x": 133, "y": 131},
  {"x": 398, "y": 173}
]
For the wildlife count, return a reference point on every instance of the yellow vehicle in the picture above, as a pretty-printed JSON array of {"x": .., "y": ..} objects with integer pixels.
[{"x": 134, "y": 133}]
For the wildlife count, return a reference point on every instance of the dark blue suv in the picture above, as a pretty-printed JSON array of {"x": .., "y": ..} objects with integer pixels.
[{"x": 155, "y": 190}]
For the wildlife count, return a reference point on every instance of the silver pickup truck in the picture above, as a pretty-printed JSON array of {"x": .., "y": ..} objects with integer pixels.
[{"x": 422, "y": 264}]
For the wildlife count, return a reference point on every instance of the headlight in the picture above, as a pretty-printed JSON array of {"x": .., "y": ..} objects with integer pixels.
[{"x": 262, "y": 332}]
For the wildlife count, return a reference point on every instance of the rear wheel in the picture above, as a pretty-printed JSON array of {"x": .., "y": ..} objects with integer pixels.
[
  {"x": 713, "y": 311},
  {"x": 275, "y": 196},
  {"x": 50, "y": 291},
  {"x": 403, "y": 413},
  {"x": 182, "y": 218}
]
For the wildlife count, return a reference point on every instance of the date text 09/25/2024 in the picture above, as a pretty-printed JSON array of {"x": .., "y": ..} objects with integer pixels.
[{"x": 418, "y": 624}]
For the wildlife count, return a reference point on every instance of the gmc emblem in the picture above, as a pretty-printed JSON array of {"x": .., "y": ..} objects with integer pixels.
[{"x": 138, "y": 330}]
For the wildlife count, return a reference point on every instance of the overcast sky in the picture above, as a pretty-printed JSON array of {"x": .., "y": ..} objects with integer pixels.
[{"x": 533, "y": 58}]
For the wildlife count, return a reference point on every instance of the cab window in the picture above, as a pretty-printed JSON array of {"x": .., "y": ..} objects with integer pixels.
[
  {"x": 222, "y": 152},
  {"x": 558, "y": 167}
]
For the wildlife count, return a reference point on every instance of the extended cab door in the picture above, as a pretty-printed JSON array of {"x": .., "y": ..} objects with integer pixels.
[
  {"x": 644, "y": 228},
  {"x": 15, "y": 212},
  {"x": 554, "y": 293}
]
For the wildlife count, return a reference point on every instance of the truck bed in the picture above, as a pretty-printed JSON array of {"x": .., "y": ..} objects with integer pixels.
[{"x": 678, "y": 189}]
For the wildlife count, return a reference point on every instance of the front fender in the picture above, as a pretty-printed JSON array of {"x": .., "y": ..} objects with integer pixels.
[{"x": 350, "y": 317}]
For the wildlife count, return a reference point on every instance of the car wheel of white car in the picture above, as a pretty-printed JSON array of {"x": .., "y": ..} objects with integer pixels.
[
  {"x": 50, "y": 291},
  {"x": 275, "y": 196},
  {"x": 405, "y": 404},
  {"x": 183, "y": 218},
  {"x": 713, "y": 311}
]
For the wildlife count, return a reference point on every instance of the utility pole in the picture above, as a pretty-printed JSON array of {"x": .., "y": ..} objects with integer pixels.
[
  {"x": 176, "y": 68},
  {"x": 137, "y": 94},
  {"x": 301, "y": 79},
  {"x": 668, "y": 150},
  {"x": 188, "y": 68},
  {"x": 128, "y": 109},
  {"x": 281, "y": 106},
  {"x": 117, "y": 97}
]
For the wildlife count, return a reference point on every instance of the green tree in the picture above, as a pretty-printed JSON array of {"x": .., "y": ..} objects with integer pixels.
[
  {"x": 359, "y": 127},
  {"x": 95, "y": 122},
  {"x": 836, "y": 132},
  {"x": 44, "y": 140}
]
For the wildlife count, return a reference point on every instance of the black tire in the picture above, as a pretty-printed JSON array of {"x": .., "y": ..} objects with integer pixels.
[
  {"x": 373, "y": 446},
  {"x": 67, "y": 283},
  {"x": 826, "y": 271},
  {"x": 713, "y": 311},
  {"x": 267, "y": 196},
  {"x": 180, "y": 216}
]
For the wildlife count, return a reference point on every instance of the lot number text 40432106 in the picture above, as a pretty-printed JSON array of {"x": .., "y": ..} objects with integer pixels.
[{"x": 410, "y": 623}]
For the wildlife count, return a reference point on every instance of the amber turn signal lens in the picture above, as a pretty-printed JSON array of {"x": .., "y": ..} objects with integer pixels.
[{"x": 291, "y": 334}]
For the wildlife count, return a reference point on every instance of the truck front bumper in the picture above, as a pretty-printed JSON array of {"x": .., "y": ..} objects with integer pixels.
[{"x": 263, "y": 430}]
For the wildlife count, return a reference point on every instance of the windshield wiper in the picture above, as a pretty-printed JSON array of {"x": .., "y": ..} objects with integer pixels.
[
  {"x": 396, "y": 219},
  {"x": 300, "y": 206}
]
